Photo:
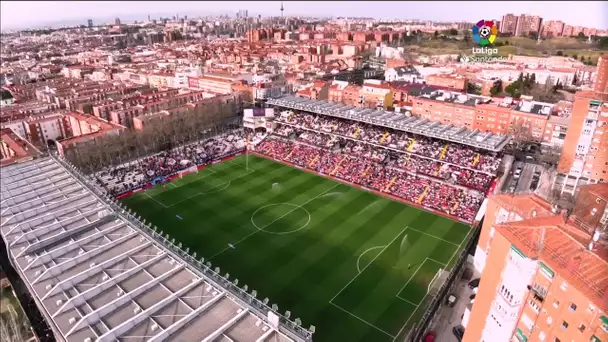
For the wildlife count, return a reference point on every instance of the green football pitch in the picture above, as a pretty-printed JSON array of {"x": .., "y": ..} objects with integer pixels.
[{"x": 355, "y": 265}]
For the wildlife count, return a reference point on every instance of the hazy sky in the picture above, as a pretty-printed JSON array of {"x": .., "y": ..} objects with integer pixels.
[{"x": 18, "y": 14}]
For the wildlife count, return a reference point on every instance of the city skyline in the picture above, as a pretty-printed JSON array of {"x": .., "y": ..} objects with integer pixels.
[{"x": 19, "y": 15}]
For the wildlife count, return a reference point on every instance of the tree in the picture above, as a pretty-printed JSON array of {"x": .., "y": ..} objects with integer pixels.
[
  {"x": 514, "y": 89},
  {"x": 453, "y": 32},
  {"x": 496, "y": 88},
  {"x": 473, "y": 89},
  {"x": 575, "y": 56},
  {"x": 560, "y": 53},
  {"x": 581, "y": 36},
  {"x": 506, "y": 42},
  {"x": 436, "y": 34},
  {"x": 551, "y": 155},
  {"x": 520, "y": 78},
  {"x": 532, "y": 81},
  {"x": 467, "y": 36},
  {"x": 520, "y": 134}
]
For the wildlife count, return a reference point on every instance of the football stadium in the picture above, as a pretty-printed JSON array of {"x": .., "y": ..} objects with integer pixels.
[{"x": 313, "y": 221}]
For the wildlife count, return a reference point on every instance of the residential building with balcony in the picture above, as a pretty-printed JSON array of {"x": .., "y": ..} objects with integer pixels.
[
  {"x": 544, "y": 275},
  {"x": 585, "y": 149}
]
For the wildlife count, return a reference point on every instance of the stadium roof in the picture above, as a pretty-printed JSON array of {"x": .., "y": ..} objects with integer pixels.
[
  {"x": 97, "y": 274},
  {"x": 398, "y": 121}
]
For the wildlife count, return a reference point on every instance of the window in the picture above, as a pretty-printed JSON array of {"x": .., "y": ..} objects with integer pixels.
[
  {"x": 534, "y": 305},
  {"x": 564, "y": 325},
  {"x": 557, "y": 340},
  {"x": 581, "y": 327},
  {"x": 572, "y": 305}
]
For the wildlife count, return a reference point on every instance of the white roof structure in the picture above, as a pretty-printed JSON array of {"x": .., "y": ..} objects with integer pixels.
[
  {"x": 97, "y": 274},
  {"x": 397, "y": 121}
]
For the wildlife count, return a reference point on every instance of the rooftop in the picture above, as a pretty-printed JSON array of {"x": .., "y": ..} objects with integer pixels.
[
  {"x": 97, "y": 275},
  {"x": 19, "y": 150},
  {"x": 564, "y": 250},
  {"x": 398, "y": 121}
]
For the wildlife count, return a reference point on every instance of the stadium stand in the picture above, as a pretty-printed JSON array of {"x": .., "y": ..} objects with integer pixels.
[
  {"x": 441, "y": 176},
  {"x": 132, "y": 175}
]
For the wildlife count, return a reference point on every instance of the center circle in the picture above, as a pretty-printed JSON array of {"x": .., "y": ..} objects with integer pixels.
[{"x": 291, "y": 209}]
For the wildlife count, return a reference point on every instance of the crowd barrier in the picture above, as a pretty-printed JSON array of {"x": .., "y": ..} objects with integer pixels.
[
  {"x": 177, "y": 174},
  {"x": 379, "y": 193}
]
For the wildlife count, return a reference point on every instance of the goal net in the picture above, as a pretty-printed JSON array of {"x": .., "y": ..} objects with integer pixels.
[{"x": 437, "y": 282}]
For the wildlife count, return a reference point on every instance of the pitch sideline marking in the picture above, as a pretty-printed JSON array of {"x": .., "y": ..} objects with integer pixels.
[
  {"x": 362, "y": 320},
  {"x": 365, "y": 251},
  {"x": 194, "y": 180},
  {"x": 280, "y": 217},
  {"x": 213, "y": 189},
  {"x": 154, "y": 199},
  {"x": 433, "y": 236},
  {"x": 459, "y": 246}
]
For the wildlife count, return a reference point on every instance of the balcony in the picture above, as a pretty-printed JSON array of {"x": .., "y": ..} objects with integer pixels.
[
  {"x": 592, "y": 115},
  {"x": 538, "y": 291}
]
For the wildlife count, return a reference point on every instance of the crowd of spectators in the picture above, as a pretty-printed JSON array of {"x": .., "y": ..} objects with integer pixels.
[
  {"x": 375, "y": 174},
  {"x": 125, "y": 177},
  {"x": 456, "y": 154}
]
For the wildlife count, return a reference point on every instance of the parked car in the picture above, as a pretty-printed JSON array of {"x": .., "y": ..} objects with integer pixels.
[
  {"x": 430, "y": 336},
  {"x": 517, "y": 173},
  {"x": 451, "y": 300},
  {"x": 458, "y": 331},
  {"x": 474, "y": 283}
]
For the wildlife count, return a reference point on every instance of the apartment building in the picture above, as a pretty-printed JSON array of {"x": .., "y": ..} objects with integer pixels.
[
  {"x": 376, "y": 94},
  {"x": 601, "y": 78},
  {"x": 84, "y": 128},
  {"x": 40, "y": 129},
  {"x": 154, "y": 103},
  {"x": 585, "y": 149},
  {"x": 14, "y": 149},
  {"x": 528, "y": 24},
  {"x": 403, "y": 73},
  {"x": 456, "y": 82},
  {"x": 508, "y": 24},
  {"x": 552, "y": 28},
  {"x": 212, "y": 84},
  {"x": 529, "y": 118},
  {"x": 556, "y": 130},
  {"x": 526, "y": 119},
  {"x": 318, "y": 90},
  {"x": 336, "y": 91},
  {"x": 548, "y": 278}
]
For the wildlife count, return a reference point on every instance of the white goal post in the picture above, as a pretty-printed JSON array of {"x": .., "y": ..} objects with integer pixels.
[{"x": 435, "y": 283}]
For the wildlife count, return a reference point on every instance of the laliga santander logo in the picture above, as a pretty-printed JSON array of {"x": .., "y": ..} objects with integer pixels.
[{"x": 484, "y": 32}]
